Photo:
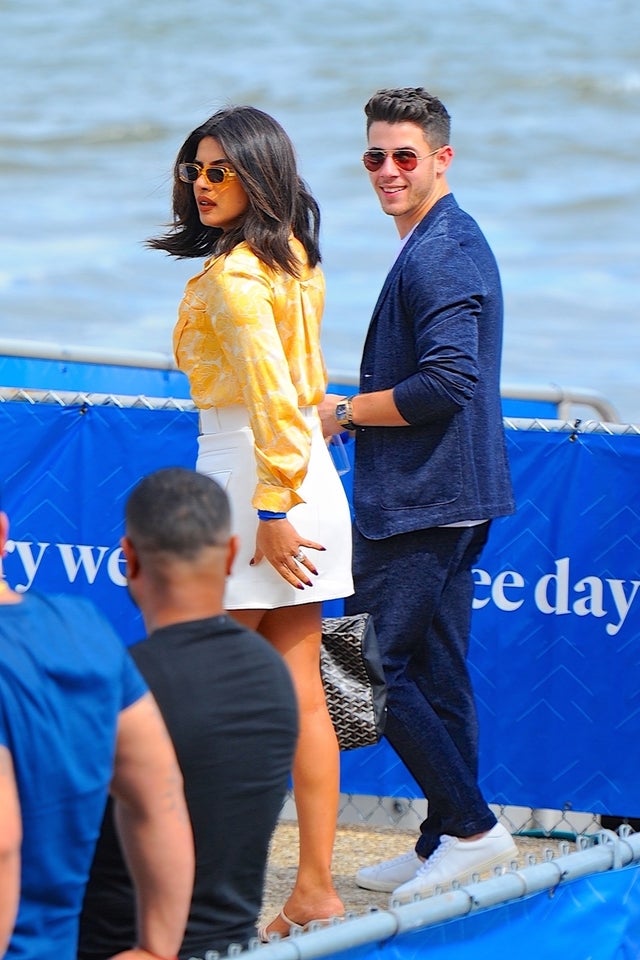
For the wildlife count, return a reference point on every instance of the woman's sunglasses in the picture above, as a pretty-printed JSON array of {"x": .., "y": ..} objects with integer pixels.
[
  {"x": 404, "y": 159},
  {"x": 189, "y": 172}
]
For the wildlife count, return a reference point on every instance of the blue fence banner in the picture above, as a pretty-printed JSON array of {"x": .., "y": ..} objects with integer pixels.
[
  {"x": 556, "y": 625},
  {"x": 66, "y": 474},
  {"x": 592, "y": 918},
  {"x": 555, "y": 651}
]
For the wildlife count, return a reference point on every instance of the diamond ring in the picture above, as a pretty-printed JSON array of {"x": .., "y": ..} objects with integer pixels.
[{"x": 300, "y": 556}]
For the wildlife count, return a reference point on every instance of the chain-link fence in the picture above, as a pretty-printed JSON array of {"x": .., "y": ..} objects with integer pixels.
[{"x": 367, "y": 808}]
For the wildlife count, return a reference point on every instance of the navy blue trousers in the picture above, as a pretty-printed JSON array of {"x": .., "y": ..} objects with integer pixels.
[{"x": 419, "y": 588}]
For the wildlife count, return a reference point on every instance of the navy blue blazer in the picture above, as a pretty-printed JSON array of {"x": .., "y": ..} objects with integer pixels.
[{"x": 435, "y": 337}]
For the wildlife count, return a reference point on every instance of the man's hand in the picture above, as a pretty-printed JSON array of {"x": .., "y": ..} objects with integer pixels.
[{"x": 327, "y": 413}]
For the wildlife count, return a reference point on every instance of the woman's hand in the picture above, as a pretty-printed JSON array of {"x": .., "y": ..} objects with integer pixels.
[{"x": 278, "y": 542}]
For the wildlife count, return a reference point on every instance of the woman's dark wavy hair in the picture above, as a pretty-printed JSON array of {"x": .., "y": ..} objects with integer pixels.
[{"x": 280, "y": 203}]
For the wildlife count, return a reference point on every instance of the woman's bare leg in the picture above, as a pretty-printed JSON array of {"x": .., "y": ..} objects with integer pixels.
[{"x": 295, "y": 632}]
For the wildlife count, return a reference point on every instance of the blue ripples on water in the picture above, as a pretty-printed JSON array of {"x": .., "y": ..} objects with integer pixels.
[{"x": 545, "y": 100}]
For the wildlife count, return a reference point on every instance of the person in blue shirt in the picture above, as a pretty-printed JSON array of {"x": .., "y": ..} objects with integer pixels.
[
  {"x": 77, "y": 722},
  {"x": 430, "y": 474}
]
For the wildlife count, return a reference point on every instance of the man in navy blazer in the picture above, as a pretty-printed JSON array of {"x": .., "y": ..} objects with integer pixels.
[{"x": 431, "y": 472}]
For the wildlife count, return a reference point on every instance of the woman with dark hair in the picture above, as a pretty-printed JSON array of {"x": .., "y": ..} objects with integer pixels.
[{"x": 248, "y": 338}]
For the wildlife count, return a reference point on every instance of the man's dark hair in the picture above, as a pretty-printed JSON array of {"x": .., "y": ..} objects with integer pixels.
[
  {"x": 177, "y": 512},
  {"x": 411, "y": 105}
]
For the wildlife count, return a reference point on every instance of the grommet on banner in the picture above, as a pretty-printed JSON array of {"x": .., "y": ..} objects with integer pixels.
[{"x": 574, "y": 435}]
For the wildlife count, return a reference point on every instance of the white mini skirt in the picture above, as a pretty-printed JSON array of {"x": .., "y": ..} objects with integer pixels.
[{"x": 226, "y": 453}]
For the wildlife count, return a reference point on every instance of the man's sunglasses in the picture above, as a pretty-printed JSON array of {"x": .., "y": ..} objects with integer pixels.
[
  {"x": 404, "y": 159},
  {"x": 189, "y": 172}
]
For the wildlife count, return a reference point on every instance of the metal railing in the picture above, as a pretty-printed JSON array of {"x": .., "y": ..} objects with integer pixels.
[
  {"x": 605, "y": 852},
  {"x": 567, "y": 401}
]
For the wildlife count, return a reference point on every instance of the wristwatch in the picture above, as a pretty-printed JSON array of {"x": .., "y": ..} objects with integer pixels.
[{"x": 344, "y": 413}]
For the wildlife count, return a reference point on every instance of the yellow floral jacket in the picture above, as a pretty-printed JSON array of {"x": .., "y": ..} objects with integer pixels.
[{"x": 250, "y": 335}]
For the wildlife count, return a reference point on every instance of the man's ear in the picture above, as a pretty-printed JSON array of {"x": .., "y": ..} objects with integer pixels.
[
  {"x": 131, "y": 557},
  {"x": 232, "y": 552},
  {"x": 444, "y": 158}
]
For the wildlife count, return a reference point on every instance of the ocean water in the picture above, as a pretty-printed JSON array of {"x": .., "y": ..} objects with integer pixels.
[{"x": 545, "y": 103}]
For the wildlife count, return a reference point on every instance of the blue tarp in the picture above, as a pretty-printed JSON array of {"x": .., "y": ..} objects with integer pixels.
[
  {"x": 593, "y": 918},
  {"x": 556, "y": 628}
]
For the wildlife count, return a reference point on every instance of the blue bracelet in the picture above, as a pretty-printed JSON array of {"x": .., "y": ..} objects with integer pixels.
[{"x": 271, "y": 515}]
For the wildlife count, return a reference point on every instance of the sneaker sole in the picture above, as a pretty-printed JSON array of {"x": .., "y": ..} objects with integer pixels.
[
  {"x": 380, "y": 886},
  {"x": 428, "y": 889}
]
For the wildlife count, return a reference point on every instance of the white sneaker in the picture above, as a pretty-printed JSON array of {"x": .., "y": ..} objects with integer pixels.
[
  {"x": 455, "y": 859},
  {"x": 390, "y": 874}
]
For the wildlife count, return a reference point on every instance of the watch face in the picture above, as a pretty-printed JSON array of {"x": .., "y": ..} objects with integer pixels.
[{"x": 342, "y": 413}]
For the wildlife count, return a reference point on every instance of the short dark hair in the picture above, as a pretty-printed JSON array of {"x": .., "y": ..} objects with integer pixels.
[
  {"x": 280, "y": 203},
  {"x": 411, "y": 105},
  {"x": 177, "y": 512}
]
